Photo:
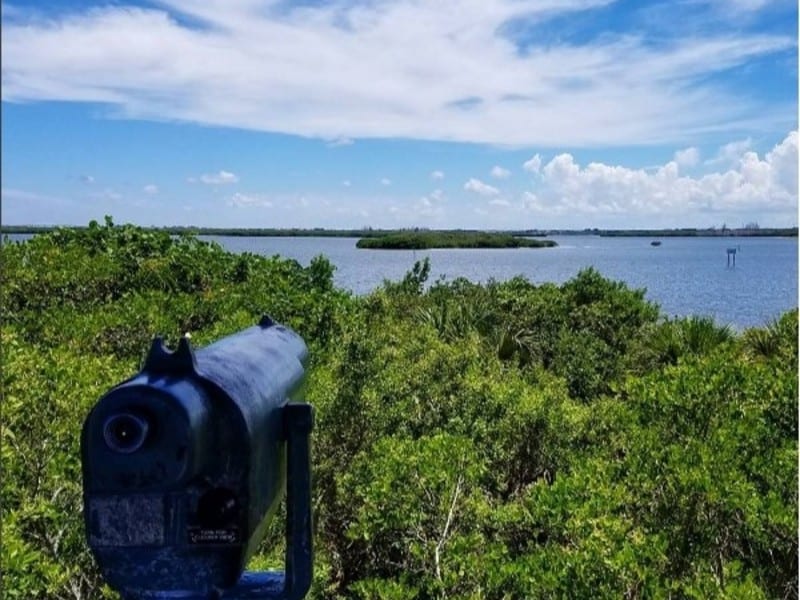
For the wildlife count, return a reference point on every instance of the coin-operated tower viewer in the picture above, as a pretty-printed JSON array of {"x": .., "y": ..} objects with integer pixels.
[{"x": 185, "y": 463}]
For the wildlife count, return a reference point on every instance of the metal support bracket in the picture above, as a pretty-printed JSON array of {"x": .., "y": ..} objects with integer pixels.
[{"x": 294, "y": 583}]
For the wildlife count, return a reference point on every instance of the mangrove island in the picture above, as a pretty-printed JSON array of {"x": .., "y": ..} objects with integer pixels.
[{"x": 424, "y": 240}]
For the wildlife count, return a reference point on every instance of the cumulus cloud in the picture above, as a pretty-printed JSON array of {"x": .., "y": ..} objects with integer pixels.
[
  {"x": 754, "y": 185},
  {"x": 343, "y": 70},
  {"x": 730, "y": 154},
  {"x": 150, "y": 189},
  {"x": 534, "y": 164},
  {"x": 239, "y": 200},
  {"x": 478, "y": 187},
  {"x": 437, "y": 175},
  {"x": 502, "y": 202},
  {"x": 220, "y": 178},
  {"x": 688, "y": 157},
  {"x": 499, "y": 172}
]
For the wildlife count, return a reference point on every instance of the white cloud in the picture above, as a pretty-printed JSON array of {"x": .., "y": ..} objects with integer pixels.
[
  {"x": 499, "y": 172},
  {"x": 386, "y": 181},
  {"x": 437, "y": 175},
  {"x": 534, "y": 164},
  {"x": 688, "y": 157},
  {"x": 426, "y": 210},
  {"x": 530, "y": 201},
  {"x": 400, "y": 68},
  {"x": 88, "y": 179},
  {"x": 730, "y": 154},
  {"x": 428, "y": 207},
  {"x": 754, "y": 186},
  {"x": 150, "y": 189},
  {"x": 346, "y": 183},
  {"x": 735, "y": 8},
  {"x": 435, "y": 198},
  {"x": 221, "y": 178},
  {"x": 759, "y": 187},
  {"x": 339, "y": 141},
  {"x": 478, "y": 187},
  {"x": 239, "y": 200},
  {"x": 782, "y": 161}
]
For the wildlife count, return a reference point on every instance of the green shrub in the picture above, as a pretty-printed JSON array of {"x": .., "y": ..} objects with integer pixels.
[{"x": 499, "y": 440}]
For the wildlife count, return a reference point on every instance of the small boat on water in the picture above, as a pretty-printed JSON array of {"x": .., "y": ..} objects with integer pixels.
[{"x": 655, "y": 243}]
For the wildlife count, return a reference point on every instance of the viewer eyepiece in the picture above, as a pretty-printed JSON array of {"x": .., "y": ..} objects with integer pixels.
[{"x": 125, "y": 432}]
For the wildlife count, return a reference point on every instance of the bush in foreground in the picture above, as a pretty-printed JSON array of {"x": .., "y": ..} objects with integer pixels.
[{"x": 505, "y": 440}]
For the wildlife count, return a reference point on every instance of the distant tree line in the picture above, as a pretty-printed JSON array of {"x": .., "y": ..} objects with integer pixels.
[{"x": 749, "y": 230}]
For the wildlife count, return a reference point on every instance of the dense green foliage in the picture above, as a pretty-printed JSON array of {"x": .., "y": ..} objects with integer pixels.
[
  {"x": 507, "y": 440},
  {"x": 422, "y": 240},
  {"x": 226, "y": 231}
]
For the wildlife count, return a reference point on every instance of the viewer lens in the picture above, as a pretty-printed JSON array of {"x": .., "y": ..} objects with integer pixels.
[{"x": 125, "y": 432}]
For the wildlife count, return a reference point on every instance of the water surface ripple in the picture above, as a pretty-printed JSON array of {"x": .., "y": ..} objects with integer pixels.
[{"x": 685, "y": 276}]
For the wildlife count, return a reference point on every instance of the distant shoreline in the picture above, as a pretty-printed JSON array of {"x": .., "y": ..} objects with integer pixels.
[{"x": 374, "y": 233}]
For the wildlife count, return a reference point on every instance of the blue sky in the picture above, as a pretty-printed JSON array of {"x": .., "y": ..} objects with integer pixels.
[{"x": 400, "y": 113}]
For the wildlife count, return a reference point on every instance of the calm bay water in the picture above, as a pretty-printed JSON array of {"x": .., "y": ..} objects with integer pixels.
[{"x": 685, "y": 276}]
